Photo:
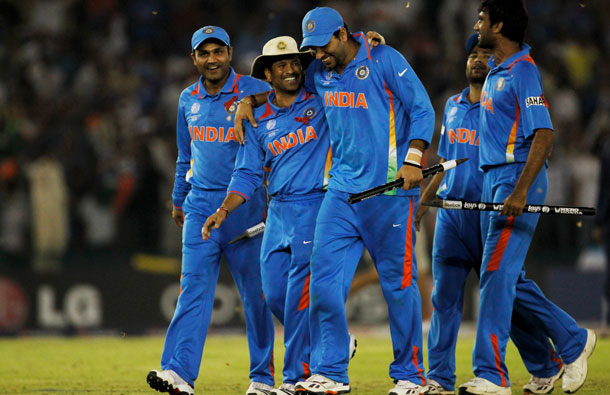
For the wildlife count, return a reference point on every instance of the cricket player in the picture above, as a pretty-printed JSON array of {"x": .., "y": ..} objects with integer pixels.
[
  {"x": 381, "y": 120},
  {"x": 292, "y": 145},
  {"x": 458, "y": 245},
  {"x": 207, "y": 148},
  {"x": 516, "y": 136}
]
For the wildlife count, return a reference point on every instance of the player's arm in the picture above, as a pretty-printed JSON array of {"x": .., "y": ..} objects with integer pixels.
[
  {"x": 539, "y": 153},
  {"x": 245, "y": 112},
  {"x": 231, "y": 202},
  {"x": 183, "y": 164},
  {"x": 411, "y": 170},
  {"x": 428, "y": 195}
]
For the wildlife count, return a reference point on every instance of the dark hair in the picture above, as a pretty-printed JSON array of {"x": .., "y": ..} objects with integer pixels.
[
  {"x": 512, "y": 13},
  {"x": 349, "y": 34}
]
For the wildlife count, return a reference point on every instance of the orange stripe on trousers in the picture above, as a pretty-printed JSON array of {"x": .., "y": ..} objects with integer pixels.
[
  {"x": 494, "y": 343},
  {"x": 304, "y": 301},
  {"x": 407, "y": 270},
  {"x": 496, "y": 256},
  {"x": 419, "y": 370}
]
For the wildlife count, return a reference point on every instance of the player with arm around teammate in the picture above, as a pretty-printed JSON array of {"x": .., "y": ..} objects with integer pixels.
[
  {"x": 516, "y": 136},
  {"x": 292, "y": 145},
  {"x": 458, "y": 245},
  {"x": 207, "y": 148},
  {"x": 380, "y": 120}
]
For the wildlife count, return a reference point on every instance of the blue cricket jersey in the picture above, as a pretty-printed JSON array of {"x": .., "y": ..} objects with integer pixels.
[
  {"x": 207, "y": 145},
  {"x": 374, "y": 109},
  {"x": 291, "y": 143},
  {"x": 512, "y": 108},
  {"x": 460, "y": 139}
]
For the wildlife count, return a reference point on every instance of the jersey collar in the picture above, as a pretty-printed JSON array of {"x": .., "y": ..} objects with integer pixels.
[
  {"x": 525, "y": 50},
  {"x": 229, "y": 87}
]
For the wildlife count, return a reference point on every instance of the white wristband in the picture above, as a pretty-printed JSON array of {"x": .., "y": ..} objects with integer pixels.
[{"x": 414, "y": 155}]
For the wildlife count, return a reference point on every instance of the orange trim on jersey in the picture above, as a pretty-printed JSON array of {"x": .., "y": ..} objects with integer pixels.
[
  {"x": 556, "y": 359},
  {"x": 415, "y": 363},
  {"x": 496, "y": 256},
  {"x": 268, "y": 111},
  {"x": 235, "y": 88},
  {"x": 494, "y": 344},
  {"x": 266, "y": 168},
  {"x": 240, "y": 194},
  {"x": 457, "y": 98},
  {"x": 196, "y": 91},
  {"x": 407, "y": 271},
  {"x": 271, "y": 365},
  {"x": 512, "y": 138},
  {"x": 526, "y": 58},
  {"x": 366, "y": 43},
  {"x": 304, "y": 301},
  {"x": 182, "y": 275}
]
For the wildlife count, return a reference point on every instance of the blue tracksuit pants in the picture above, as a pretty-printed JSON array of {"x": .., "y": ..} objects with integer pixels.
[
  {"x": 385, "y": 226},
  {"x": 200, "y": 268},
  {"x": 285, "y": 257},
  {"x": 504, "y": 286}
]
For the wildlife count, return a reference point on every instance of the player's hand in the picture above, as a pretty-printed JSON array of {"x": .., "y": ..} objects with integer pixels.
[
  {"x": 213, "y": 222},
  {"x": 178, "y": 216},
  {"x": 514, "y": 203},
  {"x": 421, "y": 211},
  {"x": 375, "y": 39},
  {"x": 412, "y": 176},
  {"x": 244, "y": 112}
]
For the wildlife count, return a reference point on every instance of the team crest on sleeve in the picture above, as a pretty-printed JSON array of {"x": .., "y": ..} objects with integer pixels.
[
  {"x": 362, "y": 72},
  {"x": 310, "y": 26},
  {"x": 195, "y": 108},
  {"x": 500, "y": 84},
  {"x": 310, "y": 112}
]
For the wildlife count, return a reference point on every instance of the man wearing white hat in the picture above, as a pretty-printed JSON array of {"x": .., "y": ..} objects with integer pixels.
[{"x": 292, "y": 145}]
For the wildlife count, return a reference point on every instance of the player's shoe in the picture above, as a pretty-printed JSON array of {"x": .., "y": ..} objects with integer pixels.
[
  {"x": 481, "y": 386},
  {"x": 434, "y": 388},
  {"x": 353, "y": 344},
  {"x": 405, "y": 387},
  {"x": 285, "y": 389},
  {"x": 259, "y": 389},
  {"x": 318, "y": 384},
  {"x": 576, "y": 372},
  {"x": 169, "y": 381},
  {"x": 542, "y": 385}
]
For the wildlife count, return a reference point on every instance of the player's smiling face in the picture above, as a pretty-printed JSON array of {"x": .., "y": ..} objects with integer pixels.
[
  {"x": 476, "y": 66},
  {"x": 213, "y": 61},
  {"x": 285, "y": 74},
  {"x": 485, "y": 30},
  {"x": 332, "y": 53}
]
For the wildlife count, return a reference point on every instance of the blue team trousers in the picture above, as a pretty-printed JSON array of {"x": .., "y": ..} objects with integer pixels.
[
  {"x": 385, "y": 226},
  {"x": 506, "y": 294},
  {"x": 457, "y": 249},
  {"x": 285, "y": 256},
  {"x": 200, "y": 268}
]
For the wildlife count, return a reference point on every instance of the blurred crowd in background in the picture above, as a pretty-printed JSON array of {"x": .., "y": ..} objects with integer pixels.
[{"x": 89, "y": 93}]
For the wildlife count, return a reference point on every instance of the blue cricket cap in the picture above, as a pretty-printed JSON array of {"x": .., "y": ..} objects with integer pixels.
[
  {"x": 208, "y": 32},
  {"x": 319, "y": 25},
  {"x": 471, "y": 42}
]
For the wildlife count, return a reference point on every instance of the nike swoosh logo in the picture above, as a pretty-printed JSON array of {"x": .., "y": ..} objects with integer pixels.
[
  {"x": 307, "y": 242},
  {"x": 402, "y": 72},
  {"x": 395, "y": 225}
]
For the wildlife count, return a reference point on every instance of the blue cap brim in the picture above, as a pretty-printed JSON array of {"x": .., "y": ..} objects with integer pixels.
[{"x": 317, "y": 40}]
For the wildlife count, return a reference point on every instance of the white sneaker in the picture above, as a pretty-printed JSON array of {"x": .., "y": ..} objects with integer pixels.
[
  {"x": 318, "y": 384},
  {"x": 542, "y": 385},
  {"x": 405, "y": 387},
  {"x": 285, "y": 389},
  {"x": 168, "y": 381},
  {"x": 434, "y": 388},
  {"x": 576, "y": 372},
  {"x": 353, "y": 343},
  {"x": 259, "y": 389},
  {"x": 481, "y": 386}
]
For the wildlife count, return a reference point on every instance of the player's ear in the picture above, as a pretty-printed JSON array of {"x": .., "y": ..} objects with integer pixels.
[
  {"x": 194, "y": 58},
  {"x": 230, "y": 52},
  {"x": 268, "y": 74},
  {"x": 497, "y": 27}
]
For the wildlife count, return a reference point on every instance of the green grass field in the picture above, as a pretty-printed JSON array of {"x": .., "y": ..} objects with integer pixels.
[{"x": 118, "y": 365}]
